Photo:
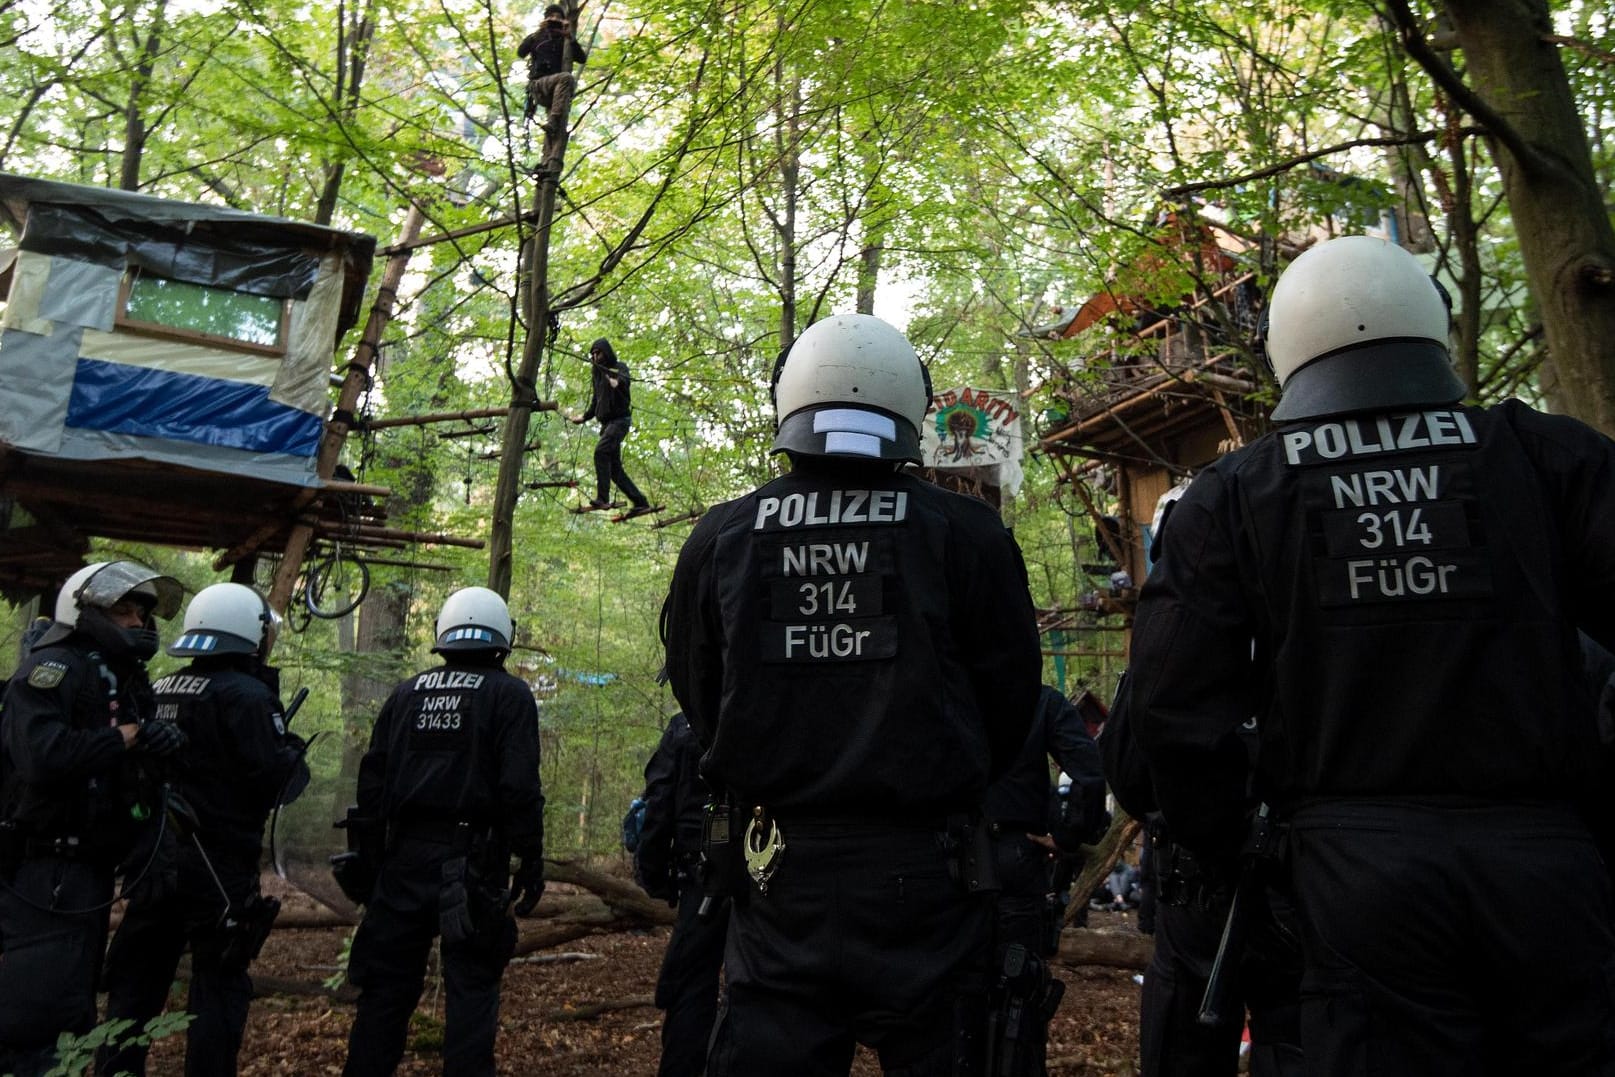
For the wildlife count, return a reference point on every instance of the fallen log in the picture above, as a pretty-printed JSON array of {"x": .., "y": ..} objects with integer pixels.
[
  {"x": 265, "y": 986},
  {"x": 595, "y": 1009},
  {"x": 1107, "y": 949},
  {"x": 617, "y": 893},
  {"x": 310, "y": 918},
  {"x": 560, "y": 932}
]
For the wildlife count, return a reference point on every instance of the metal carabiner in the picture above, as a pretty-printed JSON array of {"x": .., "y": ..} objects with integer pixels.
[{"x": 765, "y": 843}]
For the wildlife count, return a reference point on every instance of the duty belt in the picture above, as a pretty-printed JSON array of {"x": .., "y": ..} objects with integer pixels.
[
  {"x": 63, "y": 848},
  {"x": 1009, "y": 828},
  {"x": 439, "y": 831}
]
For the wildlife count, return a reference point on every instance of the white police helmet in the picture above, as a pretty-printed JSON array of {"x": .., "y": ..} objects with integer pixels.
[
  {"x": 105, "y": 583},
  {"x": 1356, "y": 324},
  {"x": 851, "y": 385},
  {"x": 226, "y": 618},
  {"x": 67, "y": 599},
  {"x": 474, "y": 619}
]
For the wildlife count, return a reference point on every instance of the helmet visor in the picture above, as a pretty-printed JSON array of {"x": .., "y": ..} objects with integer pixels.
[
  {"x": 117, "y": 580},
  {"x": 837, "y": 430}
]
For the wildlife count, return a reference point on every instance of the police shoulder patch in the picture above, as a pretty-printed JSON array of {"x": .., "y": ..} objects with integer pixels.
[{"x": 47, "y": 674}]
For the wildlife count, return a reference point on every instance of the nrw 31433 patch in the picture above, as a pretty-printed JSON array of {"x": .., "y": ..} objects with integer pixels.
[{"x": 47, "y": 674}]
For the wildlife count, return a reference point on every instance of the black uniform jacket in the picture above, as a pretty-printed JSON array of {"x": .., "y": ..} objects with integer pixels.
[
  {"x": 458, "y": 743},
  {"x": 852, "y": 642},
  {"x": 610, "y": 401},
  {"x": 236, "y": 757},
  {"x": 675, "y": 806},
  {"x": 542, "y": 51},
  {"x": 1395, "y": 598},
  {"x": 66, "y": 771},
  {"x": 1021, "y": 797}
]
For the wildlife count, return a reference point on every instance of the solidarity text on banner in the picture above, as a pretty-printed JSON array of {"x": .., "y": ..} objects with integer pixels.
[{"x": 969, "y": 428}]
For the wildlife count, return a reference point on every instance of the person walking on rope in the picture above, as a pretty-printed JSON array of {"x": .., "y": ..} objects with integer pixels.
[{"x": 611, "y": 403}]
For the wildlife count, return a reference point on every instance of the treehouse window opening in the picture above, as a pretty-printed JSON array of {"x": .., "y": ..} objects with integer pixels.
[{"x": 199, "y": 312}]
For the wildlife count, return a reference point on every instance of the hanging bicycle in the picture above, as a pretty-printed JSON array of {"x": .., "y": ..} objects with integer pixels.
[{"x": 335, "y": 581}]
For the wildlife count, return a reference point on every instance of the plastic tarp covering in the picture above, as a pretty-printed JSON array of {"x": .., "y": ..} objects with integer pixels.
[
  {"x": 304, "y": 378},
  {"x": 197, "y": 359},
  {"x": 233, "y": 258},
  {"x": 80, "y": 293},
  {"x": 104, "y": 445},
  {"x": 191, "y": 227},
  {"x": 31, "y": 272},
  {"x": 127, "y": 399},
  {"x": 36, "y": 382}
]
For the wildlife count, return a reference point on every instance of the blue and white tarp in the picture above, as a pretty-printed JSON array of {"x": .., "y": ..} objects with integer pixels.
[{"x": 76, "y": 382}]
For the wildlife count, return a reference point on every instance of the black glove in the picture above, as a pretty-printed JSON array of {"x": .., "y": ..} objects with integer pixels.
[
  {"x": 355, "y": 876},
  {"x": 527, "y": 885},
  {"x": 159, "y": 739}
]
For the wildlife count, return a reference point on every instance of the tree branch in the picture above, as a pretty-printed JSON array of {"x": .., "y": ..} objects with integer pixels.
[
  {"x": 1302, "y": 158},
  {"x": 1412, "y": 35}
]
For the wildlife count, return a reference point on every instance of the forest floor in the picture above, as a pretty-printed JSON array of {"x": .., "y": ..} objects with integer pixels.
[{"x": 1095, "y": 1031}]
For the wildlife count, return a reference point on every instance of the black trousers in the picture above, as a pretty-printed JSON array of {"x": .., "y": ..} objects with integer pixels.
[
  {"x": 864, "y": 937},
  {"x": 608, "y": 463},
  {"x": 388, "y": 965},
  {"x": 1022, "y": 910},
  {"x": 1022, "y": 914},
  {"x": 1172, "y": 1042},
  {"x": 687, "y": 989},
  {"x": 1459, "y": 938},
  {"x": 146, "y": 950},
  {"x": 51, "y": 964}
]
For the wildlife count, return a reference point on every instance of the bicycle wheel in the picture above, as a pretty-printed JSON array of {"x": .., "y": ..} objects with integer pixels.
[{"x": 336, "y": 585}]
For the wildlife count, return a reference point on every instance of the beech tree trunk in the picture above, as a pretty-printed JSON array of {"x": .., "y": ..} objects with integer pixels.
[{"x": 1560, "y": 217}]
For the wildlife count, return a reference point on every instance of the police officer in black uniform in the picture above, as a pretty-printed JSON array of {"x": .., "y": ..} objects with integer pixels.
[
  {"x": 1191, "y": 911},
  {"x": 1016, "y": 808},
  {"x": 857, "y": 652},
  {"x": 1016, "y": 811},
  {"x": 667, "y": 865},
  {"x": 1412, "y": 573},
  {"x": 237, "y": 762},
  {"x": 452, "y": 771},
  {"x": 76, "y": 797}
]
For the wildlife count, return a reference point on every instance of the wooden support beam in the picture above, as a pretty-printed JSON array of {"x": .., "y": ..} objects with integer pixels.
[
  {"x": 249, "y": 546},
  {"x": 429, "y": 417},
  {"x": 395, "y": 563},
  {"x": 339, "y": 486},
  {"x": 1117, "y": 553},
  {"x": 354, "y": 383},
  {"x": 369, "y": 531},
  {"x": 693, "y": 514}
]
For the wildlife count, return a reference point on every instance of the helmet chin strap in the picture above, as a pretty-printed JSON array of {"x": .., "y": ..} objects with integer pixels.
[{"x": 115, "y": 640}]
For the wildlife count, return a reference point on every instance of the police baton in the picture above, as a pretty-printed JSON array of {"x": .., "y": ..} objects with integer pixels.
[
  {"x": 1219, "y": 998},
  {"x": 291, "y": 711},
  {"x": 1220, "y": 984}
]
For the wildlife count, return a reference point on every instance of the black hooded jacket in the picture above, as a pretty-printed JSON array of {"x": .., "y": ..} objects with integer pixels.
[{"x": 609, "y": 401}]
